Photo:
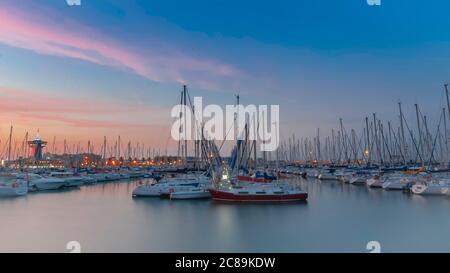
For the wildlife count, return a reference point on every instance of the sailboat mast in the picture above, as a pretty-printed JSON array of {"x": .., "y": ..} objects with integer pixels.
[
  {"x": 104, "y": 147},
  {"x": 264, "y": 141},
  {"x": 179, "y": 153},
  {"x": 333, "y": 140},
  {"x": 403, "y": 143},
  {"x": 445, "y": 135},
  {"x": 53, "y": 145},
  {"x": 236, "y": 126},
  {"x": 368, "y": 150},
  {"x": 276, "y": 141},
  {"x": 118, "y": 147},
  {"x": 9, "y": 143},
  {"x": 185, "y": 122},
  {"x": 26, "y": 146},
  {"x": 448, "y": 99},
  {"x": 343, "y": 140},
  {"x": 418, "y": 128},
  {"x": 255, "y": 160},
  {"x": 318, "y": 145}
]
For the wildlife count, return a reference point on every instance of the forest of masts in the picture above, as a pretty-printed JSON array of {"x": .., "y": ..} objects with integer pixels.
[
  {"x": 13, "y": 149},
  {"x": 378, "y": 143}
]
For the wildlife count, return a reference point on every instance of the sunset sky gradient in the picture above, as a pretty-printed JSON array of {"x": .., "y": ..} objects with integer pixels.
[{"x": 111, "y": 67}]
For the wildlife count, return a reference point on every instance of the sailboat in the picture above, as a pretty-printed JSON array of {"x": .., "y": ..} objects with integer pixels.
[
  {"x": 375, "y": 182},
  {"x": 37, "y": 182},
  {"x": 328, "y": 174},
  {"x": 428, "y": 186},
  {"x": 165, "y": 187},
  {"x": 358, "y": 180},
  {"x": 257, "y": 177},
  {"x": 397, "y": 182},
  {"x": 224, "y": 190},
  {"x": 11, "y": 186},
  {"x": 194, "y": 192},
  {"x": 70, "y": 179}
]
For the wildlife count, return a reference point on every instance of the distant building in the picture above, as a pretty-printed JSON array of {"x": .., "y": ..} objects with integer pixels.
[
  {"x": 73, "y": 160},
  {"x": 37, "y": 146}
]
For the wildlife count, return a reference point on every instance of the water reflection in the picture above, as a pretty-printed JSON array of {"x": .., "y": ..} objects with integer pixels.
[{"x": 338, "y": 217}]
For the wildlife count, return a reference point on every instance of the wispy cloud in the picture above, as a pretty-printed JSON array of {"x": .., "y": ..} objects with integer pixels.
[
  {"x": 17, "y": 100},
  {"x": 71, "y": 39},
  {"x": 35, "y": 105},
  {"x": 82, "y": 122}
]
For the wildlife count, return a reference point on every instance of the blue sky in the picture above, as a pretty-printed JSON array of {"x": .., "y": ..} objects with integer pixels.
[{"x": 320, "y": 60}]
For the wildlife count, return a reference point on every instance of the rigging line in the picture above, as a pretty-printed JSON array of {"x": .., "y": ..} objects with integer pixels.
[
  {"x": 384, "y": 139},
  {"x": 397, "y": 143},
  {"x": 434, "y": 144},
  {"x": 413, "y": 140},
  {"x": 360, "y": 144}
]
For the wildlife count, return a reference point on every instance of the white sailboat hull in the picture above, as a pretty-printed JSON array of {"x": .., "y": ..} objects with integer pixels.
[
  {"x": 330, "y": 177},
  {"x": 394, "y": 185},
  {"x": 191, "y": 194},
  {"x": 374, "y": 183},
  {"x": 88, "y": 180},
  {"x": 99, "y": 177},
  {"x": 358, "y": 181},
  {"x": 10, "y": 192},
  {"x": 48, "y": 185},
  {"x": 147, "y": 191},
  {"x": 124, "y": 176},
  {"x": 422, "y": 189},
  {"x": 166, "y": 188},
  {"x": 73, "y": 181},
  {"x": 112, "y": 176}
]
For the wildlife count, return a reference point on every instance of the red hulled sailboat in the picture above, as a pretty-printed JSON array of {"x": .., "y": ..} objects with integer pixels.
[{"x": 224, "y": 190}]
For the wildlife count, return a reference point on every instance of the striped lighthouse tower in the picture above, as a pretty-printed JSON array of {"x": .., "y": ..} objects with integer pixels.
[{"x": 37, "y": 145}]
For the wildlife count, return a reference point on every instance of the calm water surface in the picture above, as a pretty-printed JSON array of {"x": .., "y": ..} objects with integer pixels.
[{"x": 337, "y": 218}]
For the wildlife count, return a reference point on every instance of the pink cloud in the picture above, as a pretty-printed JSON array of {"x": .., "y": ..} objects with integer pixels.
[
  {"x": 83, "y": 123},
  {"x": 73, "y": 40},
  {"x": 17, "y": 100},
  {"x": 27, "y": 107}
]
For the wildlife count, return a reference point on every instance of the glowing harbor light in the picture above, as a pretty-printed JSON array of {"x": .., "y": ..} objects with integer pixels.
[{"x": 3, "y": 162}]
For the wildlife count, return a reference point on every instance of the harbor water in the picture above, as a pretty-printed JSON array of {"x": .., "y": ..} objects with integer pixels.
[{"x": 337, "y": 218}]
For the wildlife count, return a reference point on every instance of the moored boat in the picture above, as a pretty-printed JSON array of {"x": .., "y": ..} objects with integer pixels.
[
  {"x": 358, "y": 180},
  {"x": 397, "y": 183},
  {"x": 224, "y": 190},
  {"x": 99, "y": 177},
  {"x": 11, "y": 186},
  {"x": 428, "y": 186},
  {"x": 429, "y": 189},
  {"x": 375, "y": 182},
  {"x": 273, "y": 194},
  {"x": 328, "y": 175},
  {"x": 41, "y": 183},
  {"x": 124, "y": 176},
  {"x": 191, "y": 193},
  {"x": 69, "y": 178},
  {"x": 112, "y": 176},
  {"x": 244, "y": 178},
  {"x": 162, "y": 189}
]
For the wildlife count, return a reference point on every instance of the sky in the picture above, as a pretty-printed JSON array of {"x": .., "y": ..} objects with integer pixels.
[{"x": 110, "y": 67}]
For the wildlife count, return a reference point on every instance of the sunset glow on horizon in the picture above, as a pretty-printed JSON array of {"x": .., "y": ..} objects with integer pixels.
[{"x": 115, "y": 68}]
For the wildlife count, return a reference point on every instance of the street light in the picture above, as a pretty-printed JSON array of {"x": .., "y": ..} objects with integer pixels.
[{"x": 366, "y": 152}]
